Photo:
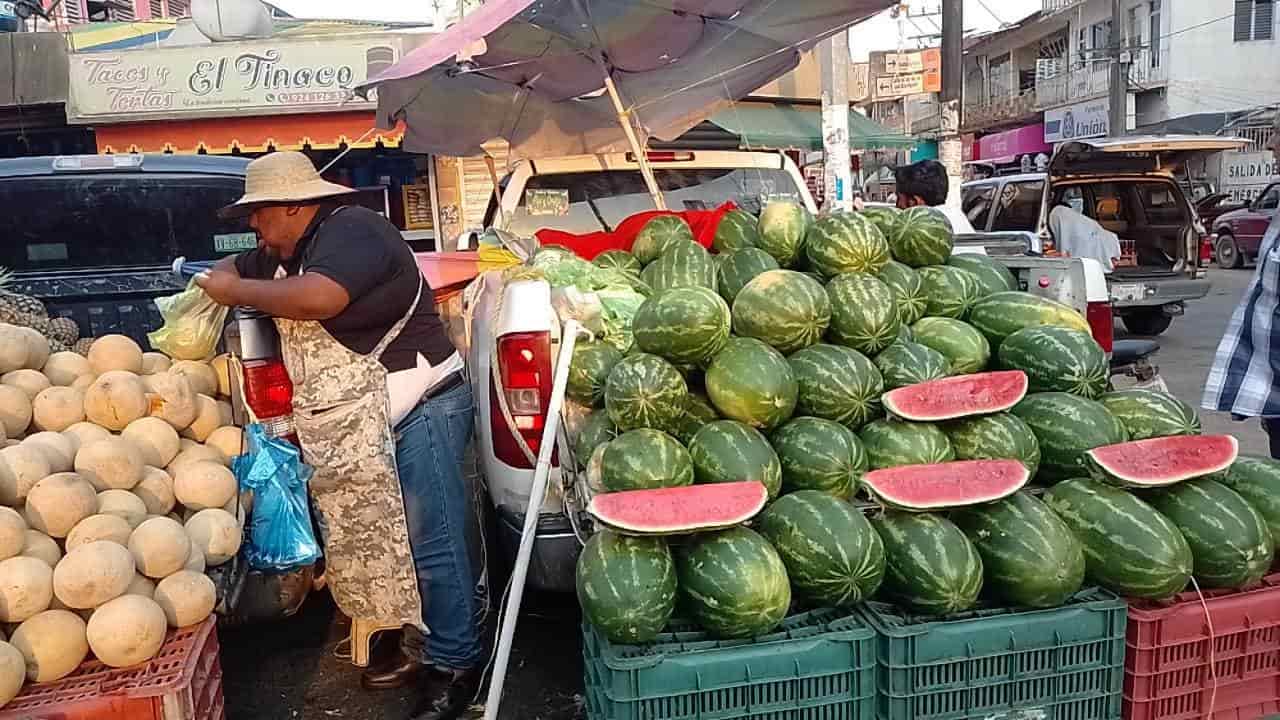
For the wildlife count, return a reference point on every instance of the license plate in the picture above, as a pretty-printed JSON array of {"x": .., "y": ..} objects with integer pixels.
[
  {"x": 235, "y": 242},
  {"x": 1133, "y": 291}
]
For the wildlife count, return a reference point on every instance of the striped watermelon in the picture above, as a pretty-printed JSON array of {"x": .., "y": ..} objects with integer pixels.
[
  {"x": 846, "y": 242},
  {"x": 645, "y": 391},
  {"x": 1129, "y": 548},
  {"x": 1255, "y": 479},
  {"x": 682, "y": 264},
  {"x": 1159, "y": 462},
  {"x": 1231, "y": 545},
  {"x": 1005, "y": 313},
  {"x": 921, "y": 236},
  {"x": 908, "y": 363},
  {"x": 908, "y": 291},
  {"x": 992, "y": 437},
  {"x": 956, "y": 397},
  {"x": 589, "y": 370},
  {"x": 679, "y": 510},
  {"x": 1067, "y": 427},
  {"x": 728, "y": 451},
  {"x": 947, "y": 485},
  {"x": 893, "y": 443},
  {"x": 963, "y": 346},
  {"x": 697, "y": 412},
  {"x": 784, "y": 308},
  {"x": 737, "y": 230},
  {"x": 833, "y": 556},
  {"x": 752, "y": 383},
  {"x": 733, "y": 582},
  {"x": 619, "y": 260},
  {"x": 992, "y": 275},
  {"x": 1057, "y": 360},
  {"x": 1029, "y": 555},
  {"x": 626, "y": 586},
  {"x": 905, "y": 334},
  {"x": 1149, "y": 414},
  {"x": 684, "y": 325},
  {"x": 883, "y": 217},
  {"x": 783, "y": 226},
  {"x": 645, "y": 459},
  {"x": 837, "y": 383},
  {"x": 949, "y": 292},
  {"x": 819, "y": 454},
  {"x": 594, "y": 430},
  {"x": 864, "y": 313},
  {"x": 738, "y": 268},
  {"x": 657, "y": 234},
  {"x": 930, "y": 566}
]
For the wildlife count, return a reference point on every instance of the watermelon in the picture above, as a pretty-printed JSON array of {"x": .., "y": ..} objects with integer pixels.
[
  {"x": 626, "y": 586},
  {"x": 864, "y": 313},
  {"x": 908, "y": 291},
  {"x": 1164, "y": 461},
  {"x": 1066, "y": 427},
  {"x": 783, "y": 226},
  {"x": 739, "y": 268},
  {"x": 728, "y": 451},
  {"x": 733, "y": 582},
  {"x": 904, "y": 335},
  {"x": 697, "y": 412},
  {"x": 751, "y": 382},
  {"x": 940, "y": 486},
  {"x": 619, "y": 260},
  {"x": 1147, "y": 414},
  {"x": 992, "y": 275},
  {"x": 957, "y": 397},
  {"x": 589, "y": 370},
  {"x": 846, "y": 242},
  {"x": 949, "y": 292},
  {"x": 930, "y": 566},
  {"x": 921, "y": 236},
  {"x": 961, "y": 344},
  {"x": 908, "y": 363},
  {"x": 684, "y": 325},
  {"x": 1029, "y": 555},
  {"x": 595, "y": 430},
  {"x": 1005, "y": 313},
  {"x": 657, "y": 234},
  {"x": 833, "y": 556},
  {"x": 682, "y": 264},
  {"x": 784, "y": 308},
  {"x": 645, "y": 459},
  {"x": 1129, "y": 547},
  {"x": 892, "y": 443},
  {"x": 738, "y": 229},
  {"x": 994, "y": 437},
  {"x": 837, "y": 383},
  {"x": 1256, "y": 479},
  {"x": 679, "y": 510},
  {"x": 1231, "y": 545},
  {"x": 1057, "y": 360},
  {"x": 645, "y": 391},
  {"x": 819, "y": 454},
  {"x": 882, "y": 217}
]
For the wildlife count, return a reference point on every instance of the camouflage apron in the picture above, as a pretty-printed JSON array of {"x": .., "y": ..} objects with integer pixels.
[{"x": 341, "y": 411}]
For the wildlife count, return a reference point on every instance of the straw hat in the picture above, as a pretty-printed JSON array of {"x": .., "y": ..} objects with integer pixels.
[{"x": 282, "y": 178}]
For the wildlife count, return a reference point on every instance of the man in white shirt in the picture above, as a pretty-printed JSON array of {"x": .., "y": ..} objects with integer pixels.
[
  {"x": 926, "y": 183},
  {"x": 1078, "y": 235}
]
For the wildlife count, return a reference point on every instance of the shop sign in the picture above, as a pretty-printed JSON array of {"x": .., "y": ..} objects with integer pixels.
[
  {"x": 898, "y": 74},
  {"x": 1077, "y": 122},
  {"x": 1245, "y": 175}
]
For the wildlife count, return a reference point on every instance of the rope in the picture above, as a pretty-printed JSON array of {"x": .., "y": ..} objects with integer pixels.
[{"x": 1213, "y": 662}]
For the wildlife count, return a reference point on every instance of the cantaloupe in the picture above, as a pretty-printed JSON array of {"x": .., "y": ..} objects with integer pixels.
[
  {"x": 199, "y": 453},
  {"x": 127, "y": 631},
  {"x": 195, "y": 561},
  {"x": 222, "y": 366},
  {"x": 92, "y": 574},
  {"x": 62, "y": 368},
  {"x": 216, "y": 533},
  {"x": 21, "y": 467},
  {"x": 114, "y": 463},
  {"x": 103, "y": 526},
  {"x": 86, "y": 434},
  {"x": 172, "y": 398},
  {"x": 41, "y": 547},
  {"x": 203, "y": 379},
  {"x": 160, "y": 547},
  {"x": 123, "y": 504},
  {"x": 15, "y": 411},
  {"x": 185, "y": 444},
  {"x": 57, "y": 408},
  {"x": 226, "y": 414},
  {"x": 156, "y": 491},
  {"x": 156, "y": 438},
  {"x": 13, "y": 672},
  {"x": 84, "y": 382},
  {"x": 201, "y": 485},
  {"x": 26, "y": 588},
  {"x": 58, "y": 449},
  {"x": 141, "y": 585},
  {"x": 13, "y": 533},
  {"x": 155, "y": 362},
  {"x": 115, "y": 352},
  {"x": 37, "y": 349},
  {"x": 13, "y": 348},
  {"x": 58, "y": 502},
  {"x": 208, "y": 418},
  {"x": 186, "y": 597},
  {"x": 53, "y": 644},
  {"x": 28, "y": 381},
  {"x": 116, "y": 399}
]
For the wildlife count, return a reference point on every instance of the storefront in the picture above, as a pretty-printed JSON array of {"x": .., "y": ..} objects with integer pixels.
[{"x": 1022, "y": 150}]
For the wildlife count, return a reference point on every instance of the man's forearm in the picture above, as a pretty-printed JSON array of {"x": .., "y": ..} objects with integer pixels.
[{"x": 283, "y": 298}]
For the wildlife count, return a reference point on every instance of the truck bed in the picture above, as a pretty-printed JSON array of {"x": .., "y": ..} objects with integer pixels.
[{"x": 104, "y": 301}]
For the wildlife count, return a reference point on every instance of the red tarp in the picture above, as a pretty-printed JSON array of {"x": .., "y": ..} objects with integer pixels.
[{"x": 703, "y": 223}]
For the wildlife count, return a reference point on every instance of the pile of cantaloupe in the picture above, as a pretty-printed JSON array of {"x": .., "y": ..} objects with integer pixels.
[{"x": 115, "y": 496}]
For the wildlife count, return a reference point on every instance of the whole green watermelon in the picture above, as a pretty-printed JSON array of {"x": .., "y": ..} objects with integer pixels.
[
  {"x": 733, "y": 583},
  {"x": 833, "y": 556},
  {"x": 728, "y": 451},
  {"x": 921, "y": 236},
  {"x": 820, "y": 455},
  {"x": 589, "y": 370},
  {"x": 741, "y": 267},
  {"x": 784, "y": 308},
  {"x": 626, "y": 586},
  {"x": 644, "y": 390},
  {"x": 992, "y": 275},
  {"x": 949, "y": 291},
  {"x": 681, "y": 264},
  {"x": 837, "y": 383},
  {"x": 645, "y": 459},
  {"x": 684, "y": 325},
  {"x": 750, "y": 382},
  {"x": 864, "y": 313},
  {"x": 892, "y": 443},
  {"x": 697, "y": 412},
  {"x": 1231, "y": 544},
  {"x": 963, "y": 346},
  {"x": 846, "y": 242},
  {"x": 1057, "y": 360},
  {"x": 657, "y": 234},
  {"x": 883, "y": 217},
  {"x": 783, "y": 226},
  {"x": 738, "y": 229},
  {"x": 1001, "y": 436},
  {"x": 908, "y": 290},
  {"x": 930, "y": 566},
  {"x": 908, "y": 363},
  {"x": 1147, "y": 414},
  {"x": 1067, "y": 427},
  {"x": 619, "y": 260},
  {"x": 1000, "y": 315},
  {"x": 596, "y": 430},
  {"x": 1256, "y": 479}
]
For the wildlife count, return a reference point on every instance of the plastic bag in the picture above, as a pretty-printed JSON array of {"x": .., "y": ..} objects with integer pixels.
[
  {"x": 281, "y": 536},
  {"x": 192, "y": 324}
]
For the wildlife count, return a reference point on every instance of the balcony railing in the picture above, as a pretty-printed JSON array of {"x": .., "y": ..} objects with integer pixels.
[
  {"x": 1053, "y": 6},
  {"x": 984, "y": 112},
  {"x": 1092, "y": 80}
]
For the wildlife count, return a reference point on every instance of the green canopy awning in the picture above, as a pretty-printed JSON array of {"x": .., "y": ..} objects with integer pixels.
[{"x": 781, "y": 125}]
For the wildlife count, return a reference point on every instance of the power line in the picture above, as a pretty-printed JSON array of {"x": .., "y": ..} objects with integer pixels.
[{"x": 992, "y": 13}]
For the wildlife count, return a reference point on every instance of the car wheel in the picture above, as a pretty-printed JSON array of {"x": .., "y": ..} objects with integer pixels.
[
  {"x": 1149, "y": 322},
  {"x": 1228, "y": 252}
]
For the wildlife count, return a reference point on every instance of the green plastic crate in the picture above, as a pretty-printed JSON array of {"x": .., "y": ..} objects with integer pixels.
[{"x": 818, "y": 665}]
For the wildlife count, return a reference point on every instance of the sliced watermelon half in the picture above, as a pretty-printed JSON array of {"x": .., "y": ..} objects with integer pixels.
[
  {"x": 1164, "y": 461},
  {"x": 924, "y": 488},
  {"x": 957, "y": 397},
  {"x": 680, "y": 510}
]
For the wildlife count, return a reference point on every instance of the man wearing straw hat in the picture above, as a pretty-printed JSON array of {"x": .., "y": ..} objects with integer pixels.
[{"x": 386, "y": 439}]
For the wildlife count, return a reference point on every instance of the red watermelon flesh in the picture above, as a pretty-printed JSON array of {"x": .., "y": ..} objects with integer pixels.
[
  {"x": 678, "y": 510},
  {"x": 957, "y": 397},
  {"x": 946, "y": 485},
  {"x": 1167, "y": 460}
]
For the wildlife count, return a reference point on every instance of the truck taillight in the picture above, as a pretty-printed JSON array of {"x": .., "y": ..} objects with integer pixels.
[
  {"x": 524, "y": 365},
  {"x": 1102, "y": 324},
  {"x": 269, "y": 393},
  {"x": 1206, "y": 248}
]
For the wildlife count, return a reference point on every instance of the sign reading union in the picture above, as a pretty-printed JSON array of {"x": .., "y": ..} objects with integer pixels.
[{"x": 231, "y": 79}]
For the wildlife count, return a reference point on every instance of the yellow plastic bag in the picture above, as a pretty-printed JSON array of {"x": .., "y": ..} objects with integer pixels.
[{"x": 192, "y": 324}]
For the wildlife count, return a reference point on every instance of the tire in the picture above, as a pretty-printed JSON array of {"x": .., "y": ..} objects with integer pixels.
[
  {"x": 1228, "y": 252},
  {"x": 1148, "y": 322}
]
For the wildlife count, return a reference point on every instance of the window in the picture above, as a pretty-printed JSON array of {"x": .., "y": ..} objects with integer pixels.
[
  {"x": 1082, "y": 48},
  {"x": 1271, "y": 200},
  {"x": 1160, "y": 202},
  {"x": 1018, "y": 207},
  {"x": 1254, "y": 19},
  {"x": 1153, "y": 19},
  {"x": 976, "y": 202},
  {"x": 1132, "y": 32},
  {"x": 998, "y": 71},
  {"x": 1101, "y": 44}
]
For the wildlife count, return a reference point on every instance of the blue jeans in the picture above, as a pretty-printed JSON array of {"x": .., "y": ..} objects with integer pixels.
[{"x": 432, "y": 440}]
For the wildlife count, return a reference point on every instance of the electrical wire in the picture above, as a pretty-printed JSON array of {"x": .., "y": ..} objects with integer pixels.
[{"x": 992, "y": 13}]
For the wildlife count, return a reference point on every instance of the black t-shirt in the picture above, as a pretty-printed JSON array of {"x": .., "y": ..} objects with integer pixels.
[{"x": 365, "y": 254}]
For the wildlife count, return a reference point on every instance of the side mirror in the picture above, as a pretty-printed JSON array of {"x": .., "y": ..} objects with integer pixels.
[{"x": 467, "y": 240}]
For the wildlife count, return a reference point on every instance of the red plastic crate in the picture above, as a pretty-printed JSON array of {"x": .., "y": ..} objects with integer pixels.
[
  {"x": 182, "y": 682},
  {"x": 1246, "y": 700}
]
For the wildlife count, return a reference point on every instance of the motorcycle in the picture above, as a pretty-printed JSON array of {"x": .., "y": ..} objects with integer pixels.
[{"x": 1132, "y": 358}]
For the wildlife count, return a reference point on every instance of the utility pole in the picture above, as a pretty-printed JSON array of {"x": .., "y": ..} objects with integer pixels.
[
  {"x": 837, "y": 171},
  {"x": 949, "y": 146},
  {"x": 1120, "y": 56}
]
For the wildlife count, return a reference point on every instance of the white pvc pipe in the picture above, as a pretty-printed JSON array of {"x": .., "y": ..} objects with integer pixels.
[{"x": 507, "y": 630}]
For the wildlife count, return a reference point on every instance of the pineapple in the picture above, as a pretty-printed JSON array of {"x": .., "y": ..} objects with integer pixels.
[
  {"x": 41, "y": 325},
  {"x": 24, "y": 304},
  {"x": 56, "y": 345},
  {"x": 64, "y": 330},
  {"x": 82, "y": 345}
]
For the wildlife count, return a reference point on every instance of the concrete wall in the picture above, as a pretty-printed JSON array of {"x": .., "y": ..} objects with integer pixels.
[
  {"x": 1209, "y": 71},
  {"x": 39, "y": 72}
]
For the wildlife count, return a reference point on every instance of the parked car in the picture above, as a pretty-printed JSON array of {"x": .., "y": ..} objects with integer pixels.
[{"x": 1240, "y": 231}]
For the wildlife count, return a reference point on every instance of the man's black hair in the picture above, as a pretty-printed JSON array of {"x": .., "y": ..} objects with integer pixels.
[{"x": 926, "y": 179}]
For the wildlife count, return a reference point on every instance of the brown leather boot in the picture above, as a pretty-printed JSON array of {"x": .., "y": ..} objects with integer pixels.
[{"x": 397, "y": 671}]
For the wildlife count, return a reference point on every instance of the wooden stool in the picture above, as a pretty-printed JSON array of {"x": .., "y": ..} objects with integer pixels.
[{"x": 362, "y": 632}]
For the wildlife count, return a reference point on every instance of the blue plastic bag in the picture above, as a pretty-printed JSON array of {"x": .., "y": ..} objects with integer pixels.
[{"x": 281, "y": 536}]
